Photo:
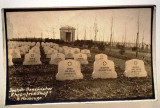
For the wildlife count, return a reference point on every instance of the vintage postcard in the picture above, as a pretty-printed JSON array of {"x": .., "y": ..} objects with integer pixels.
[{"x": 82, "y": 54}]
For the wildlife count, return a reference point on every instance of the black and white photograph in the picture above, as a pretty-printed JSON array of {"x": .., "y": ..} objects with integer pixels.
[{"x": 79, "y": 54}]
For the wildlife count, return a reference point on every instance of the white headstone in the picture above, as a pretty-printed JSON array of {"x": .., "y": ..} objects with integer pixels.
[
  {"x": 22, "y": 50},
  {"x": 76, "y": 50},
  {"x": 60, "y": 50},
  {"x": 42, "y": 44},
  {"x": 35, "y": 49},
  {"x": 32, "y": 59},
  {"x": 26, "y": 48},
  {"x": 10, "y": 63},
  {"x": 82, "y": 58},
  {"x": 56, "y": 46},
  {"x": 69, "y": 54},
  {"x": 38, "y": 44},
  {"x": 69, "y": 70},
  {"x": 100, "y": 57},
  {"x": 32, "y": 44},
  {"x": 56, "y": 58},
  {"x": 104, "y": 69},
  {"x": 15, "y": 53},
  {"x": 50, "y": 52},
  {"x": 135, "y": 68},
  {"x": 46, "y": 49},
  {"x": 65, "y": 47},
  {"x": 87, "y": 52},
  {"x": 10, "y": 50}
]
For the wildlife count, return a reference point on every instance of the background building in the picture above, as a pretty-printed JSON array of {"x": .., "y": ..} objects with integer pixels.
[{"x": 67, "y": 33}]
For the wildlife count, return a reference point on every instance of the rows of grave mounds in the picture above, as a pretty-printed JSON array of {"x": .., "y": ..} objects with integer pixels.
[{"x": 69, "y": 60}]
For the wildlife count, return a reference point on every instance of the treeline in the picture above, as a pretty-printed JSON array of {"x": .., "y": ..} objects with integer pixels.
[
  {"x": 79, "y": 43},
  {"x": 37, "y": 40}
]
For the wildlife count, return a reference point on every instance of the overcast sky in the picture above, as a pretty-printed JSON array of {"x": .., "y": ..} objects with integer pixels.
[{"x": 33, "y": 24}]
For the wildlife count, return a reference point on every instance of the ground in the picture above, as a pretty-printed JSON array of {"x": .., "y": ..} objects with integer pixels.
[{"x": 86, "y": 89}]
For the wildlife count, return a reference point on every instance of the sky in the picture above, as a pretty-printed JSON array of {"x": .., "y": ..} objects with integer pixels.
[{"x": 44, "y": 23}]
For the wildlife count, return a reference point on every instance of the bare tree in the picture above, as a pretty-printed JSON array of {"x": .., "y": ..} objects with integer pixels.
[
  {"x": 53, "y": 33},
  {"x": 77, "y": 31},
  {"x": 111, "y": 33},
  {"x": 95, "y": 29},
  {"x": 142, "y": 41},
  {"x": 85, "y": 33},
  {"x": 125, "y": 36},
  {"x": 137, "y": 39}
]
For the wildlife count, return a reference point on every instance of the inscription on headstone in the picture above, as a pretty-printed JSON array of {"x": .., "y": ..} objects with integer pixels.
[
  {"x": 56, "y": 58},
  {"x": 135, "y": 68},
  {"x": 69, "y": 70},
  {"x": 82, "y": 58},
  {"x": 104, "y": 69},
  {"x": 32, "y": 59}
]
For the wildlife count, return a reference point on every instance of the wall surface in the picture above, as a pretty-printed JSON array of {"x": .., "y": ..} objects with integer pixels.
[{"x": 63, "y": 34}]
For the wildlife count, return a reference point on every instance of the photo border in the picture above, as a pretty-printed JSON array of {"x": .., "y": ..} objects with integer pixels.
[{"x": 5, "y": 10}]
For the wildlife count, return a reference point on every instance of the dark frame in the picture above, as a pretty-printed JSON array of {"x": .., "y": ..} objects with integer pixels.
[{"x": 5, "y": 10}]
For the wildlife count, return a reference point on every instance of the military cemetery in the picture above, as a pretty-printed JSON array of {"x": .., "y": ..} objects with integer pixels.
[{"x": 94, "y": 58}]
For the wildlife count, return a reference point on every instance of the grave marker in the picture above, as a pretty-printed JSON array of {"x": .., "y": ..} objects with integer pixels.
[
  {"x": 15, "y": 53},
  {"x": 69, "y": 70},
  {"x": 135, "y": 68},
  {"x": 100, "y": 57},
  {"x": 60, "y": 50},
  {"x": 76, "y": 50},
  {"x": 32, "y": 59},
  {"x": 35, "y": 49},
  {"x": 104, "y": 69},
  {"x": 10, "y": 63},
  {"x": 69, "y": 54},
  {"x": 50, "y": 52},
  {"x": 56, "y": 58},
  {"x": 87, "y": 52},
  {"x": 82, "y": 58}
]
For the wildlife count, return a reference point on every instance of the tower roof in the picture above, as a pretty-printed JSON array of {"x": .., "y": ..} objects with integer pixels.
[{"x": 67, "y": 27}]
